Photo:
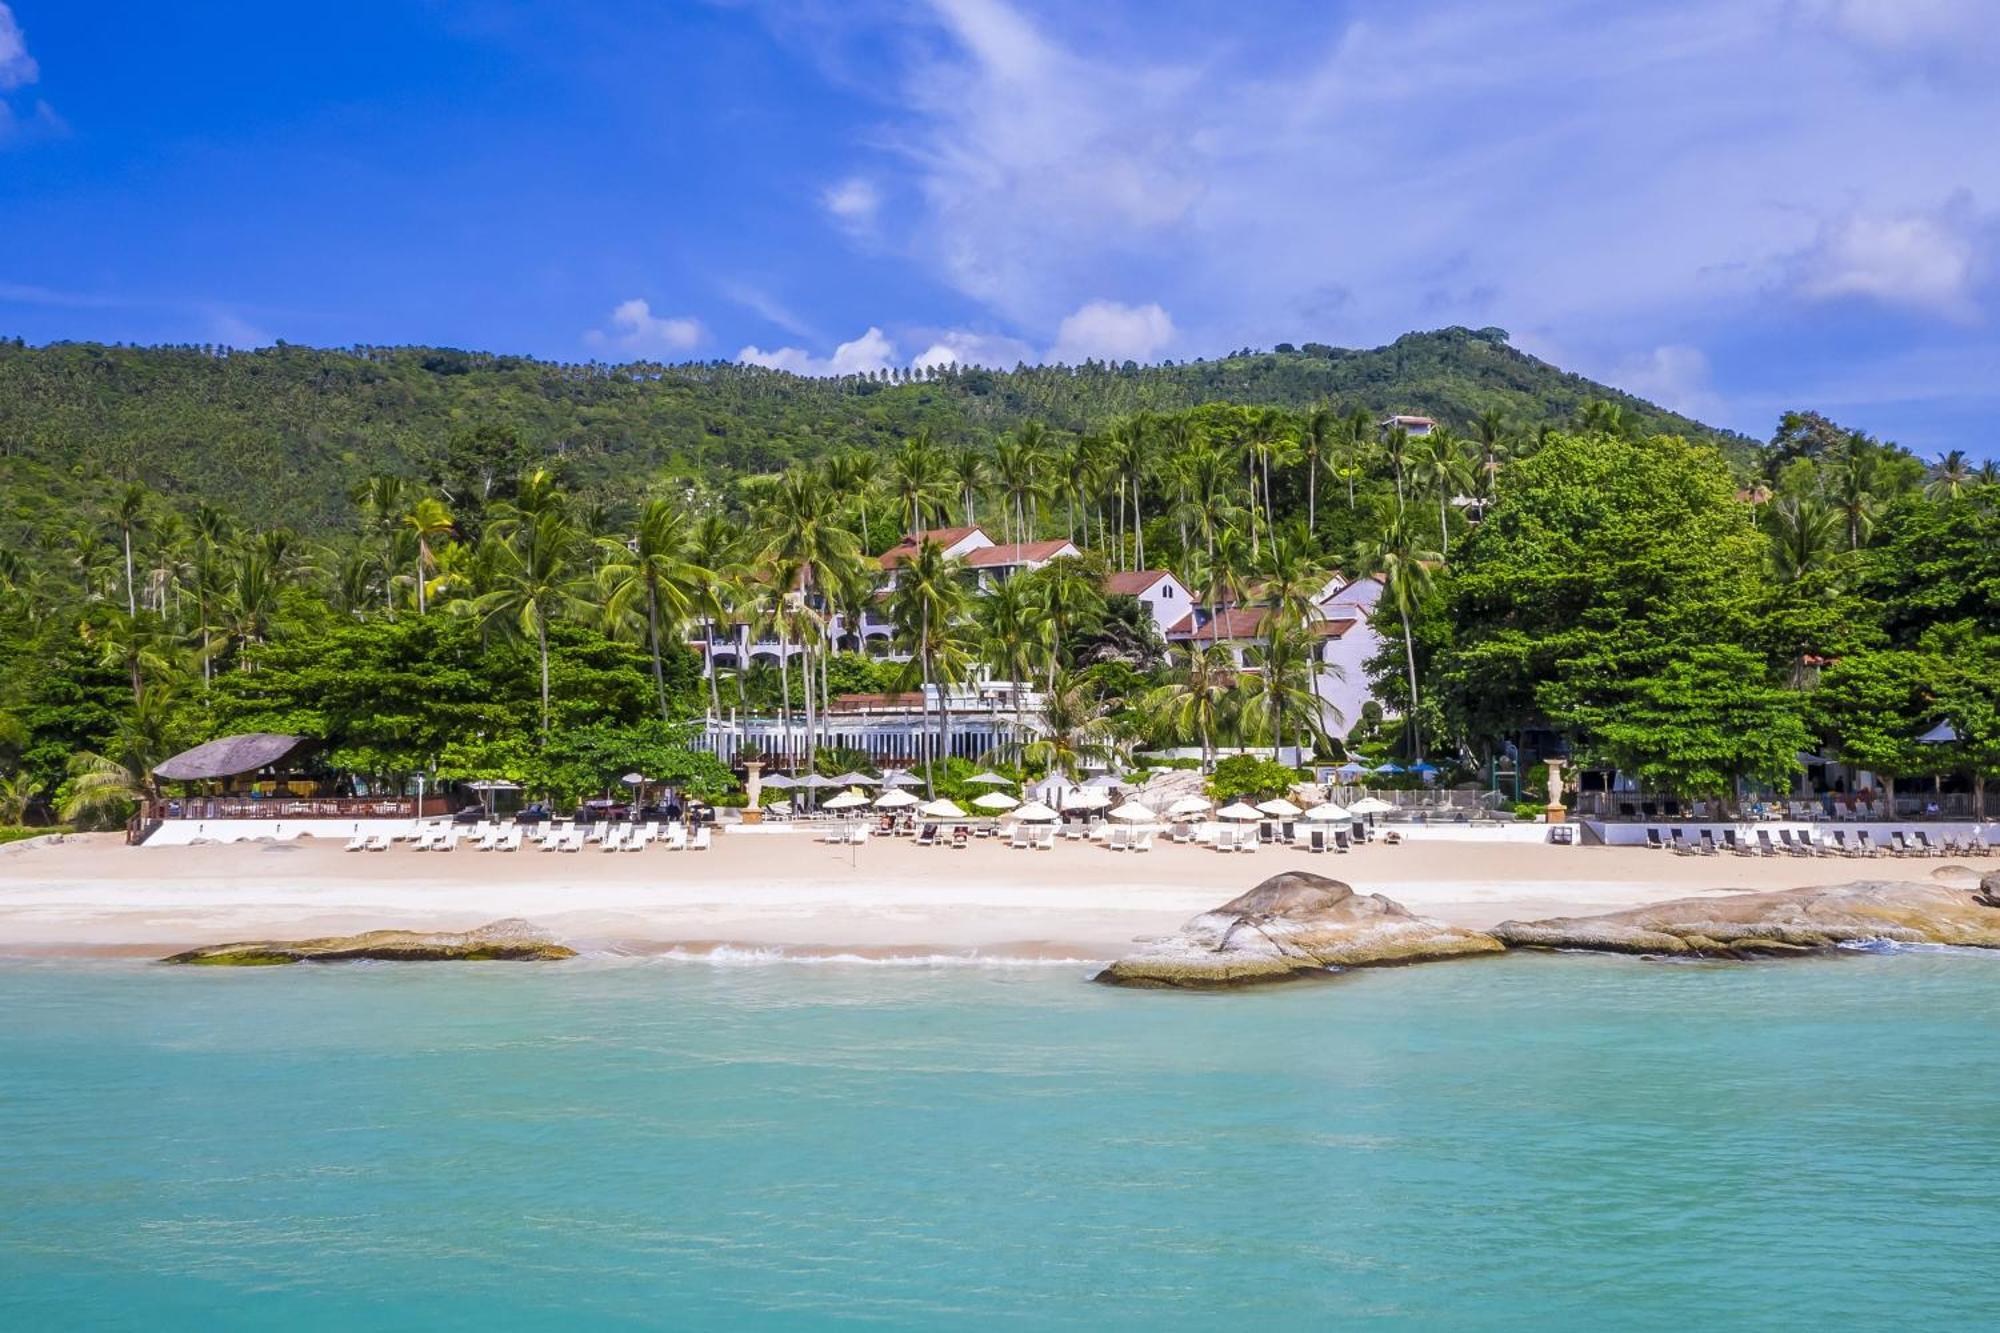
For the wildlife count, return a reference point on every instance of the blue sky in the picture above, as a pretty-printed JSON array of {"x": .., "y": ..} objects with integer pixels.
[{"x": 1731, "y": 206}]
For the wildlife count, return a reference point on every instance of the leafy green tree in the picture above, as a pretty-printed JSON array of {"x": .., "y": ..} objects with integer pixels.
[
  {"x": 1250, "y": 777},
  {"x": 535, "y": 582},
  {"x": 1872, "y": 706}
]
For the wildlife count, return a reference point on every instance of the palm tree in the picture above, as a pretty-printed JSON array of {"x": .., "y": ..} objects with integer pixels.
[
  {"x": 105, "y": 782},
  {"x": 1440, "y": 461},
  {"x": 1065, "y": 594},
  {"x": 1951, "y": 476},
  {"x": 1357, "y": 441},
  {"x": 1397, "y": 446},
  {"x": 1854, "y": 482},
  {"x": 1007, "y": 635},
  {"x": 1075, "y": 727},
  {"x": 968, "y": 471},
  {"x": 918, "y": 480},
  {"x": 927, "y": 602},
  {"x": 1131, "y": 447},
  {"x": 1405, "y": 570},
  {"x": 1318, "y": 429},
  {"x": 427, "y": 520},
  {"x": 658, "y": 572},
  {"x": 252, "y": 598},
  {"x": 1016, "y": 467},
  {"x": 131, "y": 516},
  {"x": 855, "y": 473},
  {"x": 532, "y": 583},
  {"x": 808, "y": 542},
  {"x": 1805, "y": 537},
  {"x": 1285, "y": 682},
  {"x": 381, "y": 500},
  {"x": 1197, "y": 700}
]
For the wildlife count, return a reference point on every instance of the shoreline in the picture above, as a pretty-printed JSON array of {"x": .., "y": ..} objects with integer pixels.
[{"x": 94, "y": 897}]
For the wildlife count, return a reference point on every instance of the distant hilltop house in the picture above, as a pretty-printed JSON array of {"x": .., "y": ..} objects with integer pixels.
[{"x": 1414, "y": 427}]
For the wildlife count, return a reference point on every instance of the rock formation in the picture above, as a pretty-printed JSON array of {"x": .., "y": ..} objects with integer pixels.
[
  {"x": 1292, "y": 925},
  {"x": 512, "y": 940},
  {"x": 1790, "y": 921}
]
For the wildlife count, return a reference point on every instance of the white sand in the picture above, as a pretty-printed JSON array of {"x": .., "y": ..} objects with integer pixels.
[{"x": 97, "y": 896}]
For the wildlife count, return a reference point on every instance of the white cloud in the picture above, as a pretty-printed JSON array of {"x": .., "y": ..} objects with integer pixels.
[
  {"x": 1675, "y": 376},
  {"x": 872, "y": 351},
  {"x": 232, "y": 330},
  {"x": 1903, "y": 25},
  {"x": 853, "y": 202},
  {"x": 1108, "y": 331},
  {"x": 636, "y": 329},
  {"x": 956, "y": 347},
  {"x": 1924, "y": 261},
  {"x": 17, "y": 67}
]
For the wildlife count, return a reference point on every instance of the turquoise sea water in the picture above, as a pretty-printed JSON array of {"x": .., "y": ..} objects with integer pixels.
[{"x": 1515, "y": 1143}]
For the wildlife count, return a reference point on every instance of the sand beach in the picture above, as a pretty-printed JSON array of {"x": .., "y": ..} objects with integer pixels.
[{"x": 92, "y": 895}]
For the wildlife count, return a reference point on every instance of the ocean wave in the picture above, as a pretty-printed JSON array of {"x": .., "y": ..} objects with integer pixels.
[{"x": 1901, "y": 946}]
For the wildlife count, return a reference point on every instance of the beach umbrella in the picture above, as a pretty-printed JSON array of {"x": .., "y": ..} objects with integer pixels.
[
  {"x": 1133, "y": 812},
  {"x": 847, "y": 800},
  {"x": 1426, "y": 766},
  {"x": 1190, "y": 805},
  {"x": 816, "y": 781},
  {"x": 1036, "y": 812},
  {"x": 1088, "y": 798},
  {"x": 857, "y": 780},
  {"x": 995, "y": 800},
  {"x": 1239, "y": 811},
  {"x": 1328, "y": 812},
  {"x": 894, "y": 799},
  {"x": 990, "y": 779},
  {"x": 1104, "y": 780},
  {"x": 1942, "y": 734},
  {"x": 779, "y": 782},
  {"x": 1280, "y": 807},
  {"x": 941, "y": 809},
  {"x": 779, "y": 807},
  {"x": 1371, "y": 805},
  {"x": 1349, "y": 771},
  {"x": 896, "y": 777},
  {"x": 1388, "y": 768}
]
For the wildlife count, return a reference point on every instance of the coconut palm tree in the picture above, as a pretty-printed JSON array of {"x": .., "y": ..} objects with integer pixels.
[
  {"x": 1197, "y": 699},
  {"x": 1318, "y": 430},
  {"x": 1855, "y": 482},
  {"x": 104, "y": 783},
  {"x": 1065, "y": 594},
  {"x": 1805, "y": 537},
  {"x": 658, "y": 574},
  {"x": 816, "y": 551},
  {"x": 918, "y": 480},
  {"x": 1397, "y": 556},
  {"x": 131, "y": 516},
  {"x": 1017, "y": 468},
  {"x": 1007, "y": 618},
  {"x": 1951, "y": 475},
  {"x": 533, "y": 581},
  {"x": 1440, "y": 462},
  {"x": 427, "y": 521},
  {"x": 926, "y": 605},
  {"x": 1075, "y": 727},
  {"x": 968, "y": 471},
  {"x": 1283, "y": 683}
]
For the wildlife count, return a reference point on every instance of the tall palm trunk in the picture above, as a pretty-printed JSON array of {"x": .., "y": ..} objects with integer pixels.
[
  {"x": 541, "y": 642},
  {"x": 1410, "y": 659},
  {"x": 131, "y": 602},
  {"x": 653, "y": 637},
  {"x": 924, "y": 662}
]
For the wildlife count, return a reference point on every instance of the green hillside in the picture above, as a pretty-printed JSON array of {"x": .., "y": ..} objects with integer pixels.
[{"x": 279, "y": 435}]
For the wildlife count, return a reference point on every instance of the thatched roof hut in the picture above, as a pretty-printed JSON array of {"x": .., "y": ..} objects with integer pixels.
[{"x": 228, "y": 757}]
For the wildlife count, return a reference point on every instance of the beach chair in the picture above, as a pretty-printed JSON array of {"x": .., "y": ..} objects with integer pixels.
[
  {"x": 1765, "y": 847},
  {"x": 928, "y": 836},
  {"x": 1045, "y": 837},
  {"x": 857, "y": 835},
  {"x": 1019, "y": 837},
  {"x": 1316, "y": 840},
  {"x": 1655, "y": 841},
  {"x": 358, "y": 842},
  {"x": 1246, "y": 840},
  {"x": 1925, "y": 846},
  {"x": 1120, "y": 839},
  {"x": 487, "y": 837},
  {"x": 1142, "y": 840},
  {"x": 1866, "y": 844},
  {"x": 699, "y": 842},
  {"x": 1225, "y": 839},
  {"x": 1362, "y": 833},
  {"x": 675, "y": 839},
  {"x": 961, "y": 836},
  {"x": 1707, "y": 846},
  {"x": 1181, "y": 833},
  {"x": 637, "y": 838},
  {"x": 510, "y": 841},
  {"x": 614, "y": 839},
  {"x": 1341, "y": 841}
]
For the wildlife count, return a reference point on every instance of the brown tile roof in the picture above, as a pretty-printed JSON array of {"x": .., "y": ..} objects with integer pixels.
[
  {"x": 1238, "y": 622},
  {"x": 945, "y": 537},
  {"x": 1132, "y": 582},
  {"x": 842, "y": 703},
  {"x": 1334, "y": 629},
  {"x": 1022, "y": 553}
]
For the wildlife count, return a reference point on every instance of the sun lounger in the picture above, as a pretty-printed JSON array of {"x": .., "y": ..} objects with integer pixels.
[
  {"x": 1142, "y": 840},
  {"x": 359, "y": 842},
  {"x": 857, "y": 835},
  {"x": 614, "y": 839},
  {"x": 699, "y": 842},
  {"x": 961, "y": 836},
  {"x": 1019, "y": 837},
  {"x": 1225, "y": 839},
  {"x": 1181, "y": 833},
  {"x": 928, "y": 837},
  {"x": 1708, "y": 847},
  {"x": 1316, "y": 840},
  {"x": 510, "y": 841},
  {"x": 1926, "y": 846},
  {"x": 1765, "y": 847},
  {"x": 675, "y": 839},
  {"x": 1120, "y": 839},
  {"x": 1866, "y": 844},
  {"x": 487, "y": 838},
  {"x": 1045, "y": 837},
  {"x": 1341, "y": 841},
  {"x": 1654, "y": 840}
]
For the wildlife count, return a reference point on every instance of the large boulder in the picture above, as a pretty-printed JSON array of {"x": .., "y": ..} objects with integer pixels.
[
  {"x": 512, "y": 940},
  {"x": 1292, "y": 925},
  {"x": 1789, "y": 921}
]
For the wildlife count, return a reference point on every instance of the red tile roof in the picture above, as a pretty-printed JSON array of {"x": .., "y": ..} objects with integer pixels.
[
  {"x": 1132, "y": 582},
  {"x": 1334, "y": 629},
  {"x": 842, "y": 703},
  {"x": 1238, "y": 622},
  {"x": 1023, "y": 553},
  {"x": 945, "y": 537}
]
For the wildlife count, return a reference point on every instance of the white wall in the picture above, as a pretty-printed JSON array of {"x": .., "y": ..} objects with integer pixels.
[{"x": 186, "y": 832}]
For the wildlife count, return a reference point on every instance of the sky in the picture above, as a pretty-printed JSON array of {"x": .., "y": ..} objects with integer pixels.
[{"x": 1732, "y": 207}]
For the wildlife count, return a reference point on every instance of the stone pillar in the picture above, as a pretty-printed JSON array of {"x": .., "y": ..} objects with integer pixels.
[
  {"x": 753, "y": 780},
  {"x": 1554, "y": 812}
]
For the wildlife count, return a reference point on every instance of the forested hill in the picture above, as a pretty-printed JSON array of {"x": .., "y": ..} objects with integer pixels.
[{"x": 279, "y": 435}]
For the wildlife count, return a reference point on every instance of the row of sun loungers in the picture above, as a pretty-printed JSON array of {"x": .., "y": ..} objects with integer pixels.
[
  {"x": 484, "y": 837},
  {"x": 1834, "y": 843}
]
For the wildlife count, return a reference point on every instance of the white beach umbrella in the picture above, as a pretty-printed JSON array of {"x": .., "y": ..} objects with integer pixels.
[
  {"x": 1133, "y": 812},
  {"x": 990, "y": 779},
  {"x": 1327, "y": 813},
  {"x": 1371, "y": 805},
  {"x": 1036, "y": 812},
  {"x": 857, "y": 780},
  {"x": 847, "y": 800},
  {"x": 817, "y": 781},
  {"x": 1279, "y": 807},
  {"x": 1087, "y": 798},
  {"x": 1239, "y": 811},
  {"x": 894, "y": 799},
  {"x": 942, "y": 809},
  {"x": 897, "y": 777},
  {"x": 1190, "y": 805},
  {"x": 995, "y": 800},
  {"x": 1105, "y": 780}
]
